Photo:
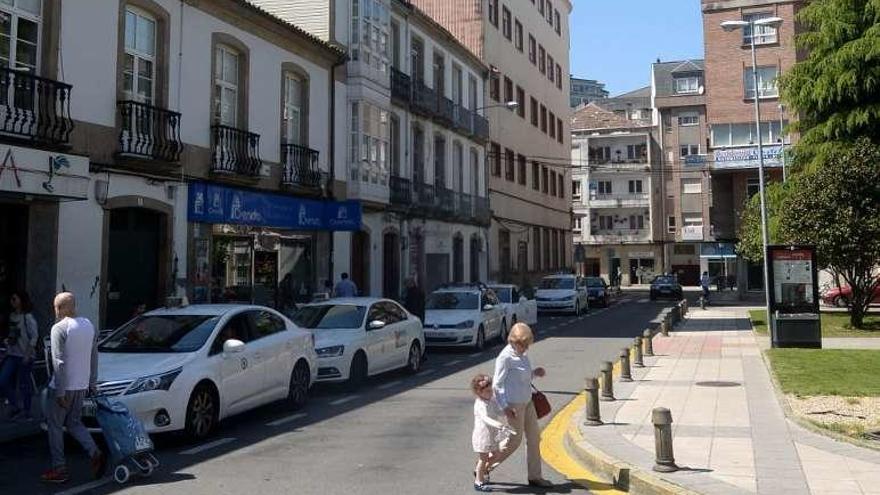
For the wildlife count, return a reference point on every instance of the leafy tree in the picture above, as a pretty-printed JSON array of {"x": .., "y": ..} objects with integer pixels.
[
  {"x": 835, "y": 90},
  {"x": 750, "y": 240}
]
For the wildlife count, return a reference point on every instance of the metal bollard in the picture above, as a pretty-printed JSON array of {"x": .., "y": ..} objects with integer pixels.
[
  {"x": 664, "y": 461},
  {"x": 649, "y": 342},
  {"x": 664, "y": 329},
  {"x": 592, "y": 394},
  {"x": 625, "y": 371},
  {"x": 607, "y": 382},
  {"x": 637, "y": 359}
]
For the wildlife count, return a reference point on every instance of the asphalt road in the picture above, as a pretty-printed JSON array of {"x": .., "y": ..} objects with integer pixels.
[{"x": 398, "y": 434}]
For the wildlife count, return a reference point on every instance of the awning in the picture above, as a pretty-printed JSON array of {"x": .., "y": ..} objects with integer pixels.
[{"x": 214, "y": 203}]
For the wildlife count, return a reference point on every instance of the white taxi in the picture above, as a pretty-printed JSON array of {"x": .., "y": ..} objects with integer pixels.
[
  {"x": 517, "y": 307},
  {"x": 563, "y": 292},
  {"x": 465, "y": 315},
  {"x": 188, "y": 368},
  {"x": 359, "y": 337}
]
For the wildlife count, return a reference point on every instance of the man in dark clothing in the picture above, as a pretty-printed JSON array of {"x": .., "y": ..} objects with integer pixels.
[{"x": 414, "y": 299}]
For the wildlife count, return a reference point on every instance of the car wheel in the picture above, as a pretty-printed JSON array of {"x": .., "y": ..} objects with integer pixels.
[
  {"x": 202, "y": 412},
  {"x": 414, "y": 361},
  {"x": 357, "y": 375},
  {"x": 840, "y": 302},
  {"x": 480, "y": 343},
  {"x": 298, "y": 390}
]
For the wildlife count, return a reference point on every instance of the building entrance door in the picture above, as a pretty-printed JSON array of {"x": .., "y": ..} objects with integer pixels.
[
  {"x": 360, "y": 262},
  {"x": 135, "y": 241},
  {"x": 391, "y": 266},
  {"x": 13, "y": 256}
]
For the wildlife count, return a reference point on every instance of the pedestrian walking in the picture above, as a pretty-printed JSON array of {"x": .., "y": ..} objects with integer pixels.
[
  {"x": 414, "y": 299},
  {"x": 345, "y": 287},
  {"x": 704, "y": 283},
  {"x": 512, "y": 385},
  {"x": 74, "y": 344},
  {"x": 489, "y": 430},
  {"x": 21, "y": 343}
]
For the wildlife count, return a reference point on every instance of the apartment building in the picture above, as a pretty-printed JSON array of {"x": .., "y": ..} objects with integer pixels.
[
  {"x": 416, "y": 139},
  {"x": 730, "y": 95},
  {"x": 613, "y": 192},
  {"x": 144, "y": 160},
  {"x": 584, "y": 91},
  {"x": 678, "y": 94},
  {"x": 526, "y": 47}
]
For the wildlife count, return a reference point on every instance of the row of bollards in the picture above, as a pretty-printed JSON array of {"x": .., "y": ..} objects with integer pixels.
[{"x": 661, "y": 417}]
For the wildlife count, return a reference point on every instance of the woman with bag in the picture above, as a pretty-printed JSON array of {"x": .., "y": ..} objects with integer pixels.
[
  {"x": 15, "y": 371},
  {"x": 512, "y": 385}
]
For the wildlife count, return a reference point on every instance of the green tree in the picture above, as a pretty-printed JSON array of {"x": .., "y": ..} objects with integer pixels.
[
  {"x": 750, "y": 243},
  {"x": 835, "y": 90}
]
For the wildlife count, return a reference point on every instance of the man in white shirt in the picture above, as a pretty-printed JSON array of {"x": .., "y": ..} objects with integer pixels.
[
  {"x": 75, "y": 364},
  {"x": 345, "y": 287}
]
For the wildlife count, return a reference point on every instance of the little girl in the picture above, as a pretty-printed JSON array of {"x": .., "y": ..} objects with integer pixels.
[{"x": 488, "y": 429}]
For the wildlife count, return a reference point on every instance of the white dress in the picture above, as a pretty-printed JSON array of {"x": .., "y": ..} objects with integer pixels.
[{"x": 488, "y": 430}]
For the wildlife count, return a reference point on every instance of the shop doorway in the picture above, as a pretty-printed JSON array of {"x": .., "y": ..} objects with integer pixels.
[
  {"x": 641, "y": 270},
  {"x": 135, "y": 243},
  {"x": 458, "y": 259},
  {"x": 391, "y": 265},
  {"x": 232, "y": 270},
  {"x": 475, "y": 259},
  {"x": 687, "y": 274},
  {"x": 360, "y": 262},
  {"x": 615, "y": 273},
  {"x": 13, "y": 257}
]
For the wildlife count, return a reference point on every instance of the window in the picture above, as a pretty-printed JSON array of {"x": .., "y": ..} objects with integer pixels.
[
  {"x": 636, "y": 151},
  {"x": 370, "y": 145},
  {"x": 139, "y": 71},
  {"x": 542, "y": 59},
  {"x": 493, "y": 12},
  {"x": 536, "y": 250},
  {"x": 509, "y": 166},
  {"x": 552, "y": 119},
  {"x": 578, "y": 224},
  {"x": 766, "y": 82},
  {"x": 543, "y": 119},
  {"x": 475, "y": 172},
  {"x": 557, "y": 23},
  {"x": 394, "y": 144},
  {"x": 552, "y": 183},
  {"x": 688, "y": 119},
  {"x": 687, "y": 85},
  {"x": 763, "y": 34},
  {"x": 495, "y": 156},
  {"x": 534, "y": 105},
  {"x": 636, "y": 222},
  {"x": 550, "y": 65},
  {"x": 576, "y": 189},
  {"x": 236, "y": 328},
  {"x": 457, "y": 88},
  {"x": 691, "y": 186},
  {"x": 536, "y": 176},
  {"x": 559, "y": 136},
  {"x": 395, "y": 45},
  {"x": 533, "y": 50},
  {"x": 472, "y": 92},
  {"x": 541, "y": 7},
  {"x": 549, "y": 12},
  {"x": 508, "y": 89},
  {"x": 505, "y": 23},
  {"x": 606, "y": 222},
  {"x": 371, "y": 29},
  {"x": 558, "y": 76},
  {"x": 226, "y": 85},
  {"x": 292, "y": 118},
  {"x": 670, "y": 224},
  {"x": 561, "y": 187},
  {"x": 457, "y": 166},
  {"x": 744, "y": 134},
  {"x": 494, "y": 86},
  {"x": 604, "y": 187},
  {"x": 684, "y": 249},
  {"x": 264, "y": 323},
  {"x": 521, "y": 165},
  {"x": 635, "y": 186},
  {"x": 521, "y": 101},
  {"x": 753, "y": 186},
  {"x": 689, "y": 149},
  {"x": 439, "y": 161},
  {"x": 518, "y": 35},
  {"x": 417, "y": 59},
  {"x": 545, "y": 180}
]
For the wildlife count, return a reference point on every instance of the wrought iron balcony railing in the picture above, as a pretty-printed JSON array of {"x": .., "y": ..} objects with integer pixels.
[
  {"x": 300, "y": 166},
  {"x": 234, "y": 151},
  {"x": 424, "y": 195},
  {"x": 401, "y": 86},
  {"x": 462, "y": 120},
  {"x": 445, "y": 111},
  {"x": 446, "y": 201},
  {"x": 481, "y": 128},
  {"x": 149, "y": 132},
  {"x": 424, "y": 99},
  {"x": 401, "y": 190},
  {"x": 481, "y": 209},
  {"x": 465, "y": 206},
  {"x": 34, "y": 108}
]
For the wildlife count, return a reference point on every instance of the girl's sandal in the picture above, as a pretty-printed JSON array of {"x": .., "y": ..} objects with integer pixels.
[{"x": 482, "y": 487}]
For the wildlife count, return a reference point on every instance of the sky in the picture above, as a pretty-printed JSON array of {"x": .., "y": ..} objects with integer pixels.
[{"x": 616, "y": 41}]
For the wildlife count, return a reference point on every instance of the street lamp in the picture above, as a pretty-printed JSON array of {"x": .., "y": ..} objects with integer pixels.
[
  {"x": 782, "y": 139},
  {"x": 752, "y": 24},
  {"x": 510, "y": 105}
]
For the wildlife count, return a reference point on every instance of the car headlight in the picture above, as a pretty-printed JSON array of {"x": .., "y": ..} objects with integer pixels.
[
  {"x": 332, "y": 351},
  {"x": 161, "y": 381},
  {"x": 465, "y": 325}
]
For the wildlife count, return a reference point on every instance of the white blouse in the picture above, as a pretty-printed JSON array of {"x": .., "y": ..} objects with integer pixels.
[{"x": 512, "y": 382}]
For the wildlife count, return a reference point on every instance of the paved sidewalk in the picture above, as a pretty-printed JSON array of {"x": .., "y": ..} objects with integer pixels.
[{"x": 729, "y": 430}]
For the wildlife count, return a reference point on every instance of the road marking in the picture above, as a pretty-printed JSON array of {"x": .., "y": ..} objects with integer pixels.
[
  {"x": 453, "y": 362},
  {"x": 288, "y": 419},
  {"x": 389, "y": 385},
  {"x": 426, "y": 372},
  {"x": 343, "y": 400},
  {"x": 86, "y": 487},
  {"x": 207, "y": 446}
]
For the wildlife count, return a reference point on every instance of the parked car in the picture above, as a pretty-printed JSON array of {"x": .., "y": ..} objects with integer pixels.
[
  {"x": 362, "y": 336},
  {"x": 840, "y": 297},
  {"x": 562, "y": 293},
  {"x": 188, "y": 368},
  {"x": 466, "y": 315},
  {"x": 597, "y": 291},
  {"x": 665, "y": 286},
  {"x": 517, "y": 307}
]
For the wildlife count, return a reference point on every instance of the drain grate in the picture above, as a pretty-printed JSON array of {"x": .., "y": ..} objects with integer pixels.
[{"x": 718, "y": 384}]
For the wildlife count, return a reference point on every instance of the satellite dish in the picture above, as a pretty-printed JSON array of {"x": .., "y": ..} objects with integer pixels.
[{"x": 701, "y": 90}]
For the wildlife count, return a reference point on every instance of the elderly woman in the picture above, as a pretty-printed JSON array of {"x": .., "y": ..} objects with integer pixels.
[{"x": 512, "y": 386}]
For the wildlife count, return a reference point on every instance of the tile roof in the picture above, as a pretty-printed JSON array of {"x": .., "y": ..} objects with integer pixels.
[
  {"x": 334, "y": 49},
  {"x": 592, "y": 116},
  {"x": 664, "y": 73}
]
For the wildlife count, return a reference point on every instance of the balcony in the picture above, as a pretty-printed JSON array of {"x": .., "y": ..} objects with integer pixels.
[
  {"x": 424, "y": 99},
  {"x": 619, "y": 236},
  {"x": 234, "y": 151},
  {"x": 424, "y": 196},
  {"x": 401, "y": 191},
  {"x": 482, "y": 213},
  {"x": 445, "y": 111},
  {"x": 445, "y": 201},
  {"x": 621, "y": 200},
  {"x": 300, "y": 167},
  {"x": 34, "y": 108},
  {"x": 401, "y": 87},
  {"x": 480, "y": 128},
  {"x": 464, "y": 207},
  {"x": 463, "y": 120},
  {"x": 149, "y": 132}
]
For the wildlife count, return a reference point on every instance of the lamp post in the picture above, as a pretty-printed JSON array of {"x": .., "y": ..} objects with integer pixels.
[
  {"x": 510, "y": 105},
  {"x": 752, "y": 24},
  {"x": 782, "y": 139}
]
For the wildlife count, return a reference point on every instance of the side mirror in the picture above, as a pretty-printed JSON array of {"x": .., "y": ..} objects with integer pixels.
[
  {"x": 233, "y": 346},
  {"x": 375, "y": 325},
  {"x": 487, "y": 307}
]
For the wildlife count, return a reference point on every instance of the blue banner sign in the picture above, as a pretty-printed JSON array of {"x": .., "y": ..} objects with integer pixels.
[
  {"x": 717, "y": 250},
  {"x": 747, "y": 157},
  {"x": 213, "y": 203}
]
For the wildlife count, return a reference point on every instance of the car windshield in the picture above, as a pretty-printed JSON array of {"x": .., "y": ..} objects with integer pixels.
[
  {"x": 161, "y": 333},
  {"x": 663, "y": 281},
  {"x": 595, "y": 282},
  {"x": 330, "y": 316},
  {"x": 557, "y": 283},
  {"x": 453, "y": 300},
  {"x": 503, "y": 294}
]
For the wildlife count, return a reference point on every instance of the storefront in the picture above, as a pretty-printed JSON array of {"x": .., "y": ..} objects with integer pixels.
[
  {"x": 261, "y": 248},
  {"x": 720, "y": 260}
]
